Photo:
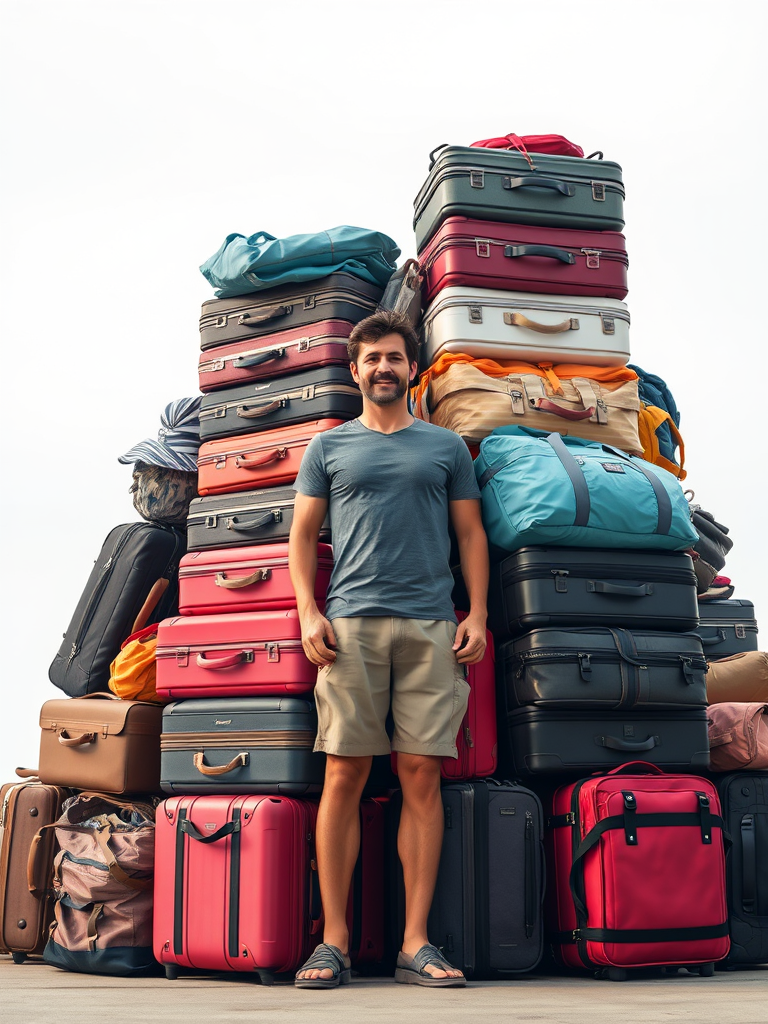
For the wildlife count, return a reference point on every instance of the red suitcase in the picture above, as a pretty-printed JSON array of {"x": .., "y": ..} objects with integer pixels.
[
  {"x": 476, "y": 740},
  {"x": 365, "y": 910},
  {"x": 235, "y": 884},
  {"x": 273, "y": 355},
  {"x": 638, "y": 868},
  {"x": 249, "y": 579},
  {"x": 269, "y": 458},
  {"x": 524, "y": 258},
  {"x": 245, "y": 654}
]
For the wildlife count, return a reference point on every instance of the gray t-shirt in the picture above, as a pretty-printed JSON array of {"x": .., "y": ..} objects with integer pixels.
[{"x": 388, "y": 500}]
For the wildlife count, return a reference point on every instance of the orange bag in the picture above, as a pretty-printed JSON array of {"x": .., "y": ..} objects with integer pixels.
[
  {"x": 132, "y": 673},
  {"x": 649, "y": 419}
]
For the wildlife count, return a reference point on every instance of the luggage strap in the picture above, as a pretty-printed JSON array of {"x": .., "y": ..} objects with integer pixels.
[
  {"x": 748, "y": 865},
  {"x": 713, "y": 931}
]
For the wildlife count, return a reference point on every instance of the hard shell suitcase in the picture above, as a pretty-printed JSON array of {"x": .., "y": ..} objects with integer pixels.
[
  {"x": 26, "y": 906},
  {"x": 637, "y": 869},
  {"x": 566, "y": 740},
  {"x": 365, "y": 909},
  {"x": 243, "y": 654},
  {"x": 524, "y": 258},
  {"x": 244, "y": 518},
  {"x": 486, "y": 913},
  {"x": 328, "y": 392},
  {"x": 744, "y": 797},
  {"x": 497, "y": 185},
  {"x": 134, "y": 577},
  {"x": 235, "y": 884},
  {"x": 245, "y": 579},
  {"x": 609, "y": 669},
  {"x": 487, "y": 323},
  {"x": 338, "y": 296},
  {"x": 240, "y": 745},
  {"x": 727, "y": 627},
  {"x": 270, "y": 458},
  {"x": 551, "y": 586},
  {"x": 274, "y": 355}
]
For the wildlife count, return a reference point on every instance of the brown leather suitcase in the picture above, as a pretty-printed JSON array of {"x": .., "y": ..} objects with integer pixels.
[
  {"x": 101, "y": 742},
  {"x": 26, "y": 906}
]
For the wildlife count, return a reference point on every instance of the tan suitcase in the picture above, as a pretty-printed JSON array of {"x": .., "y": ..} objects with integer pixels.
[
  {"x": 101, "y": 742},
  {"x": 742, "y": 678}
]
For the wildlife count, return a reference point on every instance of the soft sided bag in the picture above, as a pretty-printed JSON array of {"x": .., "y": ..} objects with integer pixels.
[
  {"x": 738, "y": 736},
  {"x": 649, "y": 422},
  {"x": 653, "y": 391},
  {"x": 132, "y": 673},
  {"x": 539, "y": 488},
  {"x": 740, "y": 677},
  {"x": 525, "y": 144},
  {"x": 256, "y": 262}
]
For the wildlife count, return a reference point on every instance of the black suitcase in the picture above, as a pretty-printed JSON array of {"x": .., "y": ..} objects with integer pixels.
[
  {"x": 486, "y": 913},
  {"x": 547, "y": 740},
  {"x": 727, "y": 627},
  {"x": 240, "y": 745},
  {"x": 550, "y": 586},
  {"x": 122, "y": 584},
  {"x": 603, "y": 669},
  {"x": 744, "y": 798},
  {"x": 338, "y": 296},
  {"x": 246, "y": 517},
  {"x": 326, "y": 392}
]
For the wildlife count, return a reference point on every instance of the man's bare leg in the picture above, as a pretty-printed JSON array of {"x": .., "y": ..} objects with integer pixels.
[{"x": 337, "y": 840}]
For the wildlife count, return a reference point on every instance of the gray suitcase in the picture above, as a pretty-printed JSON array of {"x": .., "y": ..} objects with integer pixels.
[
  {"x": 727, "y": 627},
  {"x": 246, "y": 517}
]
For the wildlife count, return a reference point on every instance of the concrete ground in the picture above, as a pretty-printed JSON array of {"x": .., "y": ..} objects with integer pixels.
[{"x": 33, "y": 993}]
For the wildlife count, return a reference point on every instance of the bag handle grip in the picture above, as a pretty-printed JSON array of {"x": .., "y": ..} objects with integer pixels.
[
  {"x": 242, "y": 362},
  {"x": 262, "y": 408},
  {"x": 550, "y": 251},
  {"x": 239, "y": 761},
  {"x": 186, "y": 826},
  {"x": 520, "y": 320},
  {"x": 139, "y": 884},
  {"x": 259, "y": 576},
  {"x": 534, "y": 181},
  {"x": 151, "y": 602},
  {"x": 252, "y": 461},
  {"x": 619, "y": 590},
  {"x": 546, "y": 405},
  {"x": 250, "y": 525},
  {"x": 270, "y": 313},
  {"x": 33, "y": 866},
  {"x": 648, "y": 768},
  {"x": 76, "y": 741},
  {"x": 216, "y": 664},
  {"x": 616, "y": 743}
]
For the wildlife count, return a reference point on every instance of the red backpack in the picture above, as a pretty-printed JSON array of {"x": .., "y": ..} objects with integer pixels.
[{"x": 552, "y": 144}]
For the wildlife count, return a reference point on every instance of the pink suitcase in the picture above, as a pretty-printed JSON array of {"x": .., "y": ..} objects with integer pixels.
[
  {"x": 476, "y": 741},
  {"x": 249, "y": 579},
  {"x": 244, "y": 654},
  {"x": 273, "y": 355},
  {"x": 235, "y": 884},
  {"x": 524, "y": 258}
]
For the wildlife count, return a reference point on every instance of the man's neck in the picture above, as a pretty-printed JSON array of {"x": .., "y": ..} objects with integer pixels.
[{"x": 385, "y": 419}]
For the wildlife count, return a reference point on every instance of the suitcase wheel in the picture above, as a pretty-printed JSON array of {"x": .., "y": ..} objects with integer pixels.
[
  {"x": 616, "y": 974},
  {"x": 707, "y": 971},
  {"x": 171, "y": 972},
  {"x": 266, "y": 977},
  {"x": 19, "y": 958}
]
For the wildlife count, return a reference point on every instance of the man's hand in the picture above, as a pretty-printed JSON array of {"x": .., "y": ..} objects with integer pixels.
[
  {"x": 318, "y": 639},
  {"x": 470, "y": 642}
]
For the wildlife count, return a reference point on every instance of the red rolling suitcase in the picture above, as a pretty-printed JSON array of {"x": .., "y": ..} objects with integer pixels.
[
  {"x": 235, "y": 884},
  {"x": 269, "y": 458},
  {"x": 245, "y": 654},
  {"x": 524, "y": 258},
  {"x": 248, "y": 579},
  {"x": 273, "y": 355},
  {"x": 638, "y": 862},
  {"x": 365, "y": 910}
]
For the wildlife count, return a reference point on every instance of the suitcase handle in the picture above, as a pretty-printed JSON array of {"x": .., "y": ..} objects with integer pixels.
[
  {"x": 530, "y": 180},
  {"x": 567, "y": 414},
  {"x": 251, "y": 462},
  {"x": 613, "y": 743},
  {"x": 33, "y": 870},
  {"x": 229, "y": 662},
  {"x": 260, "y": 357},
  {"x": 240, "y": 761},
  {"x": 519, "y": 320},
  {"x": 259, "y": 576},
  {"x": 432, "y": 154},
  {"x": 651, "y": 769},
  {"x": 263, "y": 408},
  {"x": 253, "y": 524},
  {"x": 551, "y": 251},
  {"x": 76, "y": 741},
  {"x": 271, "y": 313},
  {"x": 604, "y": 587},
  {"x": 708, "y": 641},
  {"x": 186, "y": 826}
]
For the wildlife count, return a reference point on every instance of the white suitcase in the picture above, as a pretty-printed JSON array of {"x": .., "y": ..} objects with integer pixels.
[{"x": 534, "y": 328}]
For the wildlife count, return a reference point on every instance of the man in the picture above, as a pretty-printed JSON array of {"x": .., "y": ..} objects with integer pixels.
[{"x": 391, "y": 484}]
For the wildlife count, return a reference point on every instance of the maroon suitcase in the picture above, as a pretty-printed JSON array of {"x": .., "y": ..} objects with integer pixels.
[
  {"x": 365, "y": 910},
  {"x": 524, "y": 258},
  {"x": 273, "y": 355}
]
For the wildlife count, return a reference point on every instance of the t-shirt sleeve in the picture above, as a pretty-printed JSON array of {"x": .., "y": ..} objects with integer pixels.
[
  {"x": 463, "y": 482},
  {"x": 313, "y": 479}
]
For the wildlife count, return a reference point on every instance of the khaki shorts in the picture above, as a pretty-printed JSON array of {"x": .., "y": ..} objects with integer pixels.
[{"x": 381, "y": 660}]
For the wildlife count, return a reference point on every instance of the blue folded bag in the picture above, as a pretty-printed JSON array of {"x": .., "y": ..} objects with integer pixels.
[
  {"x": 541, "y": 488},
  {"x": 243, "y": 265},
  {"x": 653, "y": 390}
]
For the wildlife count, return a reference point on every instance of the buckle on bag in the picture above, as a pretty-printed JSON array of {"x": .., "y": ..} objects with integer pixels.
[
  {"x": 477, "y": 179},
  {"x": 483, "y": 247},
  {"x": 475, "y": 314},
  {"x": 598, "y": 191}
]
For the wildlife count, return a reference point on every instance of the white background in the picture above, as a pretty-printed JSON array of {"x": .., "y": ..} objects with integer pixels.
[{"x": 137, "y": 135}]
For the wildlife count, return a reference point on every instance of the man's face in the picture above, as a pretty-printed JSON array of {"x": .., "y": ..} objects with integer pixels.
[{"x": 382, "y": 370}]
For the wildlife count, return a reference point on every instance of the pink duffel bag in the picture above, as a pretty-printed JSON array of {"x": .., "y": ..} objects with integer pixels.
[
  {"x": 738, "y": 736},
  {"x": 556, "y": 145}
]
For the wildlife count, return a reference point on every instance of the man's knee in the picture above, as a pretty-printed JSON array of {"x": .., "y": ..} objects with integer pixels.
[
  {"x": 346, "y": 774},
  {"x": 419, "y": 774}
]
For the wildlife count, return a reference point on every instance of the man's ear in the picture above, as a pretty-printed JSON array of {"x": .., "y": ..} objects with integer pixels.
[
  {"x": 414, "y": 372},
  {"x": 353, "y": 371}
]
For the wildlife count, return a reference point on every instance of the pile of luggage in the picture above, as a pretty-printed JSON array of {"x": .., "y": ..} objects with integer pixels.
[{"x": 171, "y": 817}]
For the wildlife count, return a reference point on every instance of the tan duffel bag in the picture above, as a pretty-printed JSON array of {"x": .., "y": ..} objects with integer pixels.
[
  {"x": 474, "y": 396},
  {"x": 742, "y": 677}
]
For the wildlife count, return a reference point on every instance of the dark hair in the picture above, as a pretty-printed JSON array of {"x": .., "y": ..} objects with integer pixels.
[{"x": 379, "y": 324}]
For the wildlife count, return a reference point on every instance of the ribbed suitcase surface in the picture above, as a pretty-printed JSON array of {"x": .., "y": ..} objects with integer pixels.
[
  {"x": 244, "y": 518},
  {"x": 727, "y": 627}
]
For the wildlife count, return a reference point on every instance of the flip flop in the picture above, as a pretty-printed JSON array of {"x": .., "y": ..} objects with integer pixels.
[
  {"x": 410, "y": 969},
  {"x": 330, "y": 957}
]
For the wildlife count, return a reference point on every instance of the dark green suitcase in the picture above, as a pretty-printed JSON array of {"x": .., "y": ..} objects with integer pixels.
[{"x": 499, "y": 185}]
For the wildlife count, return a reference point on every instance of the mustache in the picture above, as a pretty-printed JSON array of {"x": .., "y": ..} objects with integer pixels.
[{"x": 389, "y": 378}]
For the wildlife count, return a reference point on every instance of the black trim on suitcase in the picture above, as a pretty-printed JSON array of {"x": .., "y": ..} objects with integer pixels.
[{"x": 748, "y": 865}]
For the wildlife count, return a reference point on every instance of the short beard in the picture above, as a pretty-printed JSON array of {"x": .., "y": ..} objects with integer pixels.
[{"x": 385, "y": 398}]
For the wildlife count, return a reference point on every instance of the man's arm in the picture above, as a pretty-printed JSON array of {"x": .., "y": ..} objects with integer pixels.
[
  {"x": 473, "y": 552},
  {"x": 316, "y": 630}
]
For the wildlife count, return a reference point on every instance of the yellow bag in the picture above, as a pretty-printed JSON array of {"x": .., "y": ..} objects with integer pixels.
[
  {"x": 649, "y": 419},
  {"x": 132, "y": 673}
]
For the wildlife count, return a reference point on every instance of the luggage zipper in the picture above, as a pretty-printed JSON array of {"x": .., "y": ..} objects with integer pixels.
[
  {"x": 603, "y": 572},
  {"x": 470, "y": 867},
  {"x": 660, "y": 660},
  {"x": 191, "y": 572},
  {"x": 212, "y": 364},
  {"x": 319, "y": 391},
  {"x": 239, "y": 452},
  {"x": 343, "y": 296},
  {"x": 222, "y": 511},
  {"x": 530, "y": 876},
  {"x": 272, "y": 647},
  {"x": 6, "y": 801}
]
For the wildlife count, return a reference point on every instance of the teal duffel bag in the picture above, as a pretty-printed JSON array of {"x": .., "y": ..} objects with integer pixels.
[
  {"x": 540, "y": 488},
  {"x": 245, "y": 265}
]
